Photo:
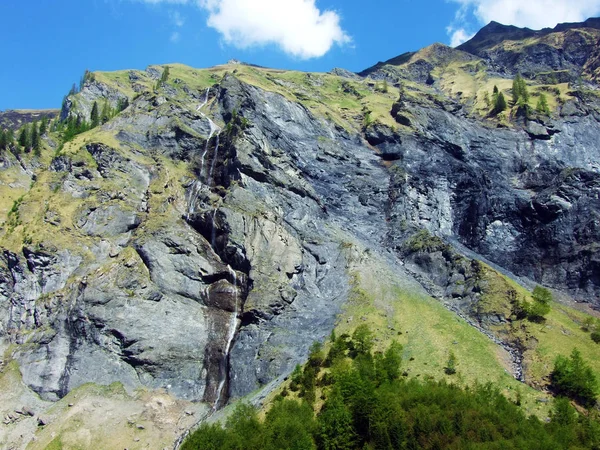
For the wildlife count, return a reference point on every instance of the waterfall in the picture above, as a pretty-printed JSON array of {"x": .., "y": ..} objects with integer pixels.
[
  {"x": 212, "y": 164},
  {"x": 194, "y": 193},
  {"x": 230, "y": 337},
  {"x": 213, "y": 129},
  {"x": 204, "y": 102},
  {"x": 197, "y": 186}
]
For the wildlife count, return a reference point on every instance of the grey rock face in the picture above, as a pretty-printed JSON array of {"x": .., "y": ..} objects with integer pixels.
[
  {"x": 518, "y": 198},
  {"x": 216, "y": 285}
]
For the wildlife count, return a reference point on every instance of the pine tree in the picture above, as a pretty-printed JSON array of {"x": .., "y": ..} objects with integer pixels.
[
  {"x": 574, "y": 377},
  {"x": 10, "y": 138},
  {"x": 25, "y": 138},
  {"x": 44, "y": 125},
  {"x": 3, "y": 140},
  {"x": 519, "y": 91},
  {"x": 165, "y": 75},
  {"x": 105, "y": 115},
  {"x": 450, "y": 368},
  {"x": 495, "y": 93},
  {"x": 95, "y": 116},
  {"x": 35, "y": 139},
  {"x": 499, "y": 103},
  {"x": 542, "y": 105},
  {"x": 335, "y": 423},
  {"x": 516, "y": 89}
]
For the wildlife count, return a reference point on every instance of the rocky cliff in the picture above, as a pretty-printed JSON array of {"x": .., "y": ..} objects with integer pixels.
[{"x": 198, "y": 242}]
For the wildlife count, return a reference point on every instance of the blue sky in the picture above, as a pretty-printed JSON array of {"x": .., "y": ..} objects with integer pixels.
[{"x": 49, "y": 43}]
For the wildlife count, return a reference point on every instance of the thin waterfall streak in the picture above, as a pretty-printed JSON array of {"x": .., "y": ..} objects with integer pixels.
[
  {"x": 204, "y": 102},
  {"x": 212, "y": 164},
  {"x": 194, "y": 194},
  {"x": 230, "y": 337},
  {"x": 205, "y": 150}
]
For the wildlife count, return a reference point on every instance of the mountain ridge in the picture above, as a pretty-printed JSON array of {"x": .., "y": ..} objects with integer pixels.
[{"x": 195, "y": 242}]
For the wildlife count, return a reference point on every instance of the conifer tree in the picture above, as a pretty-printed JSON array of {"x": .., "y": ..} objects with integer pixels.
[
  {"x": 542, "y": 105},
  {"x": 35, "y": 139},
  {"x": 165, "y": 75},
  {"x": 95, "y": 116},
  {"x": 105, "y": 115},
  {"x": 499, "y": 103},
  {"x": 25, "y": 138},
  {"x": 3, "y": 139},
  {"x": 516, "y": 88},
  {"x": 10, "y": 138},
  {"x": 450, "y": 368},
  {"x": 519, "y": 91},
  {"x": 44, "y": 125},
  {"x": 495, "y": 92},
  {"x": 574, "y": 378}
]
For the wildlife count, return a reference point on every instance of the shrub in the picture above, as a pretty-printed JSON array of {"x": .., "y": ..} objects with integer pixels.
[
  {"x": 574, "y": 378},
  {"x": 540, "y": 307},
  {"x": 450, "y": 368}
]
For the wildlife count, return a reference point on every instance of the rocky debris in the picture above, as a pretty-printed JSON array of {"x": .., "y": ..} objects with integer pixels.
[
  {"x": 537, "y": 131},
  {"x": 42, "y": 421}
]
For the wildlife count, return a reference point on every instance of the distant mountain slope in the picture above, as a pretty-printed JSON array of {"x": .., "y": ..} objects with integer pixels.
[
  {"x": 15, "y": 119},
  {"x": 495, "y": 33}
]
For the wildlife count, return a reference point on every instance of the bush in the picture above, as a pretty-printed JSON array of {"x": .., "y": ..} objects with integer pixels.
[
  {"x": 540, "y": 307},
  {"x": 595, "y": 337},
  {"x": 450, "y": 368},
  {"x": 574, "y": 378}
]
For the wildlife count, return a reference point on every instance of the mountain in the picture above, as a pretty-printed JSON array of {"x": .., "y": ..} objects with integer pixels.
[
  {"x": 15, "y": 119},
  {"x": 188, "y": 249}
]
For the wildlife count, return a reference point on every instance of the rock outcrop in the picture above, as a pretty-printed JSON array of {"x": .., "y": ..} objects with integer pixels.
[{"x": 195, "y": 242}]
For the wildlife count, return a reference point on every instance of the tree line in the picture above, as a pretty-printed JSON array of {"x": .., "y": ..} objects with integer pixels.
[
  {"x": 365, "y": 402},
  {"x": 28, "y": 139},
  {"x": 520, "y": 98},
  {"x": 75, "y": 124}
]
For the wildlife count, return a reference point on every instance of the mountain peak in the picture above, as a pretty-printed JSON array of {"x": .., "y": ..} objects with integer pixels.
[{"x": 494, "y": 33}]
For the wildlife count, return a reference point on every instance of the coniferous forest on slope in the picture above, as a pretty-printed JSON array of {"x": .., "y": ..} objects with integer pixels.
[{"x": 366, "y": 402}]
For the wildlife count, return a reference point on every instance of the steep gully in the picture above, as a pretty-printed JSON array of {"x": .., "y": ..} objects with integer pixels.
[
  {"x": 215, "y": 130},
  {"x": 196, "y": 189}
]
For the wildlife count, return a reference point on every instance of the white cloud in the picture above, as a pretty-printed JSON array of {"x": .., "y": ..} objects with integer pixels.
[
  {"x": 175, "y": 36},
  {"x": 298, "y": 27},
  {"x": 458, "y": 36},
  {"x": 535, "y": 14}
]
